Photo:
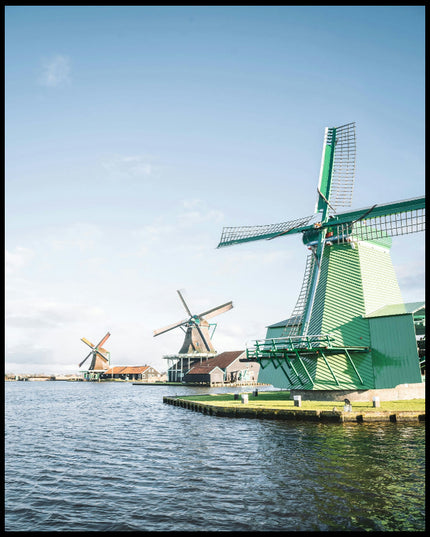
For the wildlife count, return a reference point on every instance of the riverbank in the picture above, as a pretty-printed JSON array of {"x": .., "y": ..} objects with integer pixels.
[
  {"x": 201, "y": 384},
  {"x": 278, "y": 405}
]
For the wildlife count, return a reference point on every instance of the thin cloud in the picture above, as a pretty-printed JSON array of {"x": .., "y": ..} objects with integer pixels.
[
  {"x": 28, "y": 358},
  {"x": 79, "y": 235},
  {"x": 131, "y": 166},
  {"x": 35, "y": 313},
  {"x": 17, "y": 259},
  {"x": 56, "y": 72},
  {"x": 197, "y": 211}
]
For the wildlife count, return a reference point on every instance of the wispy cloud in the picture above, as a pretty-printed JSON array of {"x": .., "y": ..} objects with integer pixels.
[
  {"x": 411, "y": 278},
  {"x": 17, "y": 259},
  {"x": 55, "y": 71},
  {"x": 197, "y": 211},
  {"x": 132, "y": 166},
  {"x": 36, "y": 313},
  {"x": 191, "y": 214},
  {"x": 80, "y": 235},
  {"x": 29, "y": 358}
]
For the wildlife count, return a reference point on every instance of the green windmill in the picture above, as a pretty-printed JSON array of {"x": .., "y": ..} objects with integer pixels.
[{"x": 349, "y": 329}]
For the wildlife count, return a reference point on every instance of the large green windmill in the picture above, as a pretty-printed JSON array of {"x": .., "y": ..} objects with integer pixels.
[{"x": 350, "y": 329}]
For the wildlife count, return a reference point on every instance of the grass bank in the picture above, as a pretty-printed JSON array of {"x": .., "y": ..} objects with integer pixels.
[{"x": 280, "y": 400}]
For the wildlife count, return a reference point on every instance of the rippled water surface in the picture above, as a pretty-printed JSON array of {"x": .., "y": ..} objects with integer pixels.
[{"x": 111, "y": 457}]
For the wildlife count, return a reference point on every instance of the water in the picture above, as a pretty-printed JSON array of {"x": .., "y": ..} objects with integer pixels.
[{"x": 113, "y": 457}]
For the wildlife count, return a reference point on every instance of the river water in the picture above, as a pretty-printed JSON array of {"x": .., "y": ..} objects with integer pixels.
[{"x": 83, "y": 456}]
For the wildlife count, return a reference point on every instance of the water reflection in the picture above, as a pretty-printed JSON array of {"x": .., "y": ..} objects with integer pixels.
[
  {"x": 355, "y": 476},
  {"x": 109, "y": 457}
]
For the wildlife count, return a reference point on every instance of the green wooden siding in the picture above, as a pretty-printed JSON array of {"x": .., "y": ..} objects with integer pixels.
[
  {"x": 380, "y": 286},
  {"x": 339, "y": 302},
  {"x": 353, "y": 282},
  {"x": 394, "y": 350},
  {"x": 274, "y": 332}
]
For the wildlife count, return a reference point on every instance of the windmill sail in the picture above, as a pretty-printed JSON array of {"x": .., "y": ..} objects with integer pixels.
[
  {"x": 197, "y": 337},
  {"x": 237, "y": 235},
  {"x": 299, "y": 308},
  {"x": 184, "y": 303},
  {"x": 408, "y": 218},
  {"x": 216, "y": 311},
  {"x": 170, "y": 327},
  {"x": 343, "y": 172},
  {"x": 379, "y": 221}
]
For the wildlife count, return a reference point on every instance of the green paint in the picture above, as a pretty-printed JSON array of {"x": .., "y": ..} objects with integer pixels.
[
  {"x": 353, "y": 276},
  {"x": 394, "y": 350},
  {"x": 326, "y": 172}
]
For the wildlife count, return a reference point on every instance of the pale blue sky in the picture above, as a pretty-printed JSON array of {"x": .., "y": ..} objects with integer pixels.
[{"x": 134, "y": 134}]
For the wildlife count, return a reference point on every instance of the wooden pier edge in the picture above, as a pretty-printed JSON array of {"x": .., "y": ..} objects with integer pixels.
[{"x": 337, "y": 416}]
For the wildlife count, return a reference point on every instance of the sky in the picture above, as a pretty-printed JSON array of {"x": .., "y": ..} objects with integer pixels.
[{"x": 134, "y": 134}]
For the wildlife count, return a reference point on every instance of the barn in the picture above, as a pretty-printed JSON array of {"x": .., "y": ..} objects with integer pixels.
[
  {"x": 141, "y": 372},
  {"x": 225, "y": 368}
]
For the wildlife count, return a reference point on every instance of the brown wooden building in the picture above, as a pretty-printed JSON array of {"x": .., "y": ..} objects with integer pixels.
[
  {"x": 141, "y": 372},
  {"x": 225, "y": 368}
]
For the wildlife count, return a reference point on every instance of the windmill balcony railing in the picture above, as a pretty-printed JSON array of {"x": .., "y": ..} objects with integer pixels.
[{"x": 290, "y": 343}]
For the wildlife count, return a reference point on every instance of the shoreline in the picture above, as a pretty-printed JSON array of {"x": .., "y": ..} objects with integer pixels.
[{"x": 297, "y": 414}]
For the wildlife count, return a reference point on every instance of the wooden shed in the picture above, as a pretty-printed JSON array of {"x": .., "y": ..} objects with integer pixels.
[
  {"x": 232, "y": 368},
  {"x": 204, "y": 374}
]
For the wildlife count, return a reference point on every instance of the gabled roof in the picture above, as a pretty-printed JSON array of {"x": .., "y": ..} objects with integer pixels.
[
  {"x": 222, "y": 361},
  {"x": 202, "y": 369},
  {"x": 126, "y": 370}
]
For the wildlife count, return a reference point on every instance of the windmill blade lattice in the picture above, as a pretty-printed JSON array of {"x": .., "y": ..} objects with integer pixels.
[
  {"x": 187, "y": 309},
  {"x": 170, "y": 327},
  {"x": 392, "y": 225},
  {"x": 386, "y": 220},
  {"x": 237, "y": 235},
  {"x": 299, "y": 309},
  {"x": 85, "y": 340},
  {"x": 343, "y": 172},
  {"x": 216, "y": 311},
  {"x": 102, "y": 341}
]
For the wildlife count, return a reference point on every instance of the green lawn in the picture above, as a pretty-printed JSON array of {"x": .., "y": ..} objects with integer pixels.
[{"x": 281, "y": 400}]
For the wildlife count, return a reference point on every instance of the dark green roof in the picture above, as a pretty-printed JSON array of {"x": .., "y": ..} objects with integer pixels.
[{"x": 288, "y": 322}]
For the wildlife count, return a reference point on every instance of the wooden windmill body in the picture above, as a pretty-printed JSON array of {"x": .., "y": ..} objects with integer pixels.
[
  {"x": 197, "y": 344},
  {"x": 340, "y": 336},
  {"x": 100, "y": 359}
]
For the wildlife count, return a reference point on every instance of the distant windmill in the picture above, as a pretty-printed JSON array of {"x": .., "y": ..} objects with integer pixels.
[
  {"x": 100, "y": 357},
  {"x": 349, "y": 288},
  {"x": 196, "y": 328}
]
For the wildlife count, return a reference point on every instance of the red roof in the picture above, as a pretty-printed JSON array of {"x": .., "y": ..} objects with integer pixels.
[{"x": 126, "y": 370}]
